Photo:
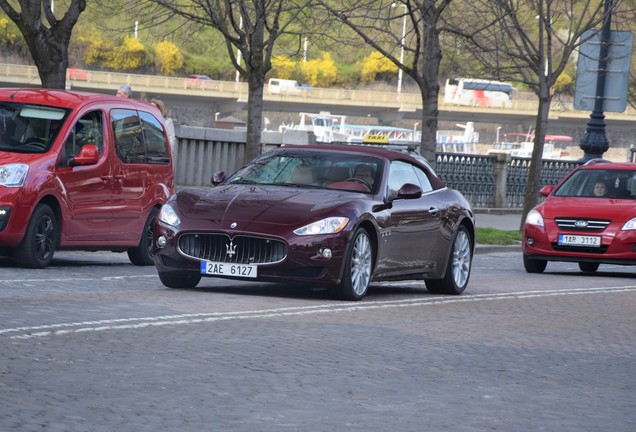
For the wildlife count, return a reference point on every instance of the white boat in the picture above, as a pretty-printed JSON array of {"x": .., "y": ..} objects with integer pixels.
[
  {"x": 329, "y": 128},
  {"x": 522, "y": 144}
]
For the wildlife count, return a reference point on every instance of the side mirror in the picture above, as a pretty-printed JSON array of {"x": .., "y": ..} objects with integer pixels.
[
  {"x": 409, "y": 191},
  {"x": 546, "y": 190},
  {"x": 88, "y": 155},
  {"x": 218, "y": 177}
]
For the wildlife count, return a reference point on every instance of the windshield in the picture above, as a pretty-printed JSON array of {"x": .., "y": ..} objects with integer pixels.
[
  {"x": 29, "y": 128},
  {"x": 600, "y": 184},
  {"x": 316, "y": 170}
]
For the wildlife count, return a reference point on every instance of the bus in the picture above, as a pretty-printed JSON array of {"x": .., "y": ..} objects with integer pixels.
[{"x": 478, "y": 93}]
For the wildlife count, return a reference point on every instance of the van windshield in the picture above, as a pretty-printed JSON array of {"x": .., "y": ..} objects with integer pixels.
[{"x": 28, "y": 128}]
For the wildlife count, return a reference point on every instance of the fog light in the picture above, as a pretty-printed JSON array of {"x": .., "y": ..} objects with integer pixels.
[
  {"x": 326, "y": 253},
  {"x": 530, "y": 241},
  {"x": 161, "y": 242}
]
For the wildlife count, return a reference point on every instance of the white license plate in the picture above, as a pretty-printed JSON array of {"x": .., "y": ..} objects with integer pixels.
[
  {"x": 228, "y": 269},
  {"x": 579, "y": 240}
]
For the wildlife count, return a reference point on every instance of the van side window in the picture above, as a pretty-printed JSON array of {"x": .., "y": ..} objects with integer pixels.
[
  {"x": 127, "y": 130},
  {"x": 87, "y": 130},
  {"x": 156, "y": 143}
]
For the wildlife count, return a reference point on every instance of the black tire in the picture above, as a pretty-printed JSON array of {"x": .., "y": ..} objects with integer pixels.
[
  {"x": 358, "y": 268},
  {"x": 40, "y": 239},
  {"x": 180, "y": 279},
  {"x": 458, "y": 268},
  {"x": 142, "y": 255},
  {"x": 534, "y": 265},
  {"x": 588, "y": 267}
]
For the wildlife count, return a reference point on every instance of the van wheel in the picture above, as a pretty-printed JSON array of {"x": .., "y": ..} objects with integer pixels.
[
  {"x": 142, "y": 255},
  {"x": 40, "y": 239},
  {"x": 179, "y": 279},
  {"x": 534, "y": 265}
]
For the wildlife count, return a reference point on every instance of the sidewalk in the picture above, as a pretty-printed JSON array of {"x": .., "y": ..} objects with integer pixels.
[{"x": 503, "y": 219}]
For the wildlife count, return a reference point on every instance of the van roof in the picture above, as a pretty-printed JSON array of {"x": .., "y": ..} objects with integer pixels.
[{"x": 60, "y": 98}]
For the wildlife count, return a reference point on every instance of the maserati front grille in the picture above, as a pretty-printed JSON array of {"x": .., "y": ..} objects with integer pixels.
[{"x": 239, "y": 249}]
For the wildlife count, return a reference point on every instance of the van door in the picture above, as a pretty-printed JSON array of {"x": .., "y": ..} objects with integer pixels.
[
  {"x": 87, "y": 189},
  {"x": 129, "y": 175},
  {"x": 143, "y": 160}
]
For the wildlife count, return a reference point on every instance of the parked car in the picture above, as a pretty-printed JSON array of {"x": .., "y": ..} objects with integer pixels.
[
  {"x": 306, "y": 214},
  {"x": 80, "y": 171},
  {"x": 589, "y": 218},
  {"x": 201, "y": 82}
]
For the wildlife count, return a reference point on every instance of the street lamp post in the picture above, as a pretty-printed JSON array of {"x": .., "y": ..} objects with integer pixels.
[
  {"x": 400, "y": 71},
  {"x": 594, "y": 143},
  {"x": 238, "y": 58}
]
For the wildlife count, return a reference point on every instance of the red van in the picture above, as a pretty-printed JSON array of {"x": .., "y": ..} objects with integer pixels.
[{"x": 80, "y": 171}]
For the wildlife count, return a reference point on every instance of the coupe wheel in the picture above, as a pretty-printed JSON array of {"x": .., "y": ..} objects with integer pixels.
[
  {"x": 358, "y": 267},
  {"x": 142, "y": 255},
  {"x": 588, "y": 267},
  {"x": 40, "y": 239},
  {"x": 179, "y": 279},
  {"x": 458, "y": 268},
  {"x": 534, "y": 265}
]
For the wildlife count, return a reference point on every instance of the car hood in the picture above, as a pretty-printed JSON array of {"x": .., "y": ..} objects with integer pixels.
[
  {"x": 7, "y": 157},
  {"x": 254, "y": 205},
  {"x": 593, "y": 208}
]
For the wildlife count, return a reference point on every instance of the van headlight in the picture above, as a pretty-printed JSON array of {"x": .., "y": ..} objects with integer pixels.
[{"x": 13, "y": 175}]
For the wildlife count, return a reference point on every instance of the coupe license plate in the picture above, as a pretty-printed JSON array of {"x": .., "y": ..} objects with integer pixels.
[
  {"x": 227, "y": 269},
  {"x": 579, "y": 240}
]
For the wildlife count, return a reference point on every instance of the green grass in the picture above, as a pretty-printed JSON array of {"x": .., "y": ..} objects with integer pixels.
[{"x": 494, "y": 236}]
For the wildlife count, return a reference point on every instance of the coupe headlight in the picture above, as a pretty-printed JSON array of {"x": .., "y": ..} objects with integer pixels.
[
  {"x": 13, "y": 175},
  {"x": 168, "y": 216},
  {"x": 330, "y": 225},
  {"x": 630, "y": 225},
  {"x": 534, "y": 218}
]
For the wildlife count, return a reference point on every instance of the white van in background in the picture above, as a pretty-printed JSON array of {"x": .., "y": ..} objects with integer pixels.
[{"x": 282, "y": 86}]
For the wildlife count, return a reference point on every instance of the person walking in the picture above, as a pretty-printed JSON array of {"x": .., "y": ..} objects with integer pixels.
[{"x": 168, "y": 122}]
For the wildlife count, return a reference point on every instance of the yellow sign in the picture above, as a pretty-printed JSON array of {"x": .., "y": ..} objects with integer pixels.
[{"x": 379, "y": 139}]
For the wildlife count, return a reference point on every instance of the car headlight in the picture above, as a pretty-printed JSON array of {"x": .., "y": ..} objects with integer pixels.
[
  {"x": 13, "y": 175},
  {"x": 330, "y": 225},
  {"x": 168, "y": 216},
  {"x": 534, "y": 218},
  {"x": 630, "y": 225}
]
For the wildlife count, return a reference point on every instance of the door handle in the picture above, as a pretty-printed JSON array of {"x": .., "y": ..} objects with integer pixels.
[
  {"x": 120, "y": 177},
  {"x": 433, "y": 211},
  {"x": 106, "y": 178}
]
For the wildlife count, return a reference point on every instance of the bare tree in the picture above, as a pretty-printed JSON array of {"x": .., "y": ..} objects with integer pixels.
[
  {"x": 251, "y": 28},
  {"x": 46, "y": 36},
  {"x": 528, "y": 42},
  {"x": 407, "y": 33}
]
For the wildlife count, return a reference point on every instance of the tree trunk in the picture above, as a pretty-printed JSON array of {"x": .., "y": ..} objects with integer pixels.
[
  {"x": 531, "y": 194},
  {"x": 254, "y": 117},
  {"x": 429, "y": 86}
]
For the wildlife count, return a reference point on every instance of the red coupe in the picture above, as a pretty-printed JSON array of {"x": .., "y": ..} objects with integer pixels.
[{"x": 336, "y": 215}]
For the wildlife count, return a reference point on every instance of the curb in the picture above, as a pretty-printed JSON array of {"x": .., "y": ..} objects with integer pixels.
[{"x": 487, "y": 248}]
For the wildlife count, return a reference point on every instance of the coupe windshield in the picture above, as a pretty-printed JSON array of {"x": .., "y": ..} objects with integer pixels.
[
  {"x": 29, "y": 128},
  {"x": 313, "y": 170},
  {"x": 600, "y": 184}
]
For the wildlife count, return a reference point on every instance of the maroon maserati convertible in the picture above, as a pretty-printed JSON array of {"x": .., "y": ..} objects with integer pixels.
[{"x": 341, "y": 216}]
